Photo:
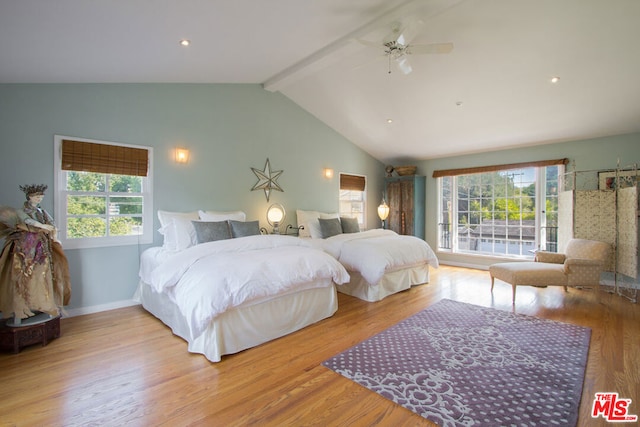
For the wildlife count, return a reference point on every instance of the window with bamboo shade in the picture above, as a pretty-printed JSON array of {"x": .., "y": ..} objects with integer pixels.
[
  {"x": 352, "y": 197},
  {"x": 103, "y": 193}
]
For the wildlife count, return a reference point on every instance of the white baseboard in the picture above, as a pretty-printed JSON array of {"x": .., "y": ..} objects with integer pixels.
[
  {"x": 465, "y": 265},
  {"x": 98, "y": 308}
]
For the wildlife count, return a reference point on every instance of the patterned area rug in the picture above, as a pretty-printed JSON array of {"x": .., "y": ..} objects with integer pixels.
[{"x": 458, "y": 364}]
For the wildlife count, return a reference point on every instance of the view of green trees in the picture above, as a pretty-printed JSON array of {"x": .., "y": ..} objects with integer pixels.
[
  {"x": 495, "y": 212},
  {"x": 502, "y": 196},
  {"x": 109, "y": 203}
]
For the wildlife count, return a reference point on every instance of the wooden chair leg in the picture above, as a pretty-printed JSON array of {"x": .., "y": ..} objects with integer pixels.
[
  {"x": 492, "y": 280},
  {"x": 513, "y": 299}
]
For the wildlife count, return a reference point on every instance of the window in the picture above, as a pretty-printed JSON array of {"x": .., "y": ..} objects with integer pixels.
[
  {"x": 103, "y": 193},
  {"x": 352, "y": 197},
  {"x": 501, "y": 212}
]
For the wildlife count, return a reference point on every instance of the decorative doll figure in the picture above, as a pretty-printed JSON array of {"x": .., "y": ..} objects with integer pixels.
[{"x": 34, "y": 273}]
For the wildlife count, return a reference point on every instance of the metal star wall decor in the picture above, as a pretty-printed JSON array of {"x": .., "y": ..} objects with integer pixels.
[{"x": 267, "y": 180}]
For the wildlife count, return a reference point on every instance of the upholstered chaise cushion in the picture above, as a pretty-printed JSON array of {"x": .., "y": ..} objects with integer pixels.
[
  {"x": 529, "y": 273},
  {"x": 552, "y": 257},
  {"x": 588, "y": 249}
]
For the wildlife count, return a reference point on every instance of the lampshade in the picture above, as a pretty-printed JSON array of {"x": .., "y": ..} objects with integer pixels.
[
  {"x": 275, "y": 214},
  {"x": 383, "y": 210},
  {"x": 328, "y": 173}
]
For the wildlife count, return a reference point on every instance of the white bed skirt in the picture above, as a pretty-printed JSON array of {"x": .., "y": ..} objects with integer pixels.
[
  {"x": 244, "y": 327},
  {"x": 391, "y": 283}
]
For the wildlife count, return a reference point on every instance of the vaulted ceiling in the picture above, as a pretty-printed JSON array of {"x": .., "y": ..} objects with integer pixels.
[{"x": 492, "y": 91}]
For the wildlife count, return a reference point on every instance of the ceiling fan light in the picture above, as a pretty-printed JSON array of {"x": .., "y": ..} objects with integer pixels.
[{"x": 403, "y": 65}]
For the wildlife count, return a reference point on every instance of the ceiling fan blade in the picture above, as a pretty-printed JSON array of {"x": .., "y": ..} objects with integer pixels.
[
  {"x": 404, "y": 33},
  {"x": 401, "y": 40},
  {"x": 418, "y": 49},
  {"x": 404, "y": 65},
  {"x": 368, "y": 43}
]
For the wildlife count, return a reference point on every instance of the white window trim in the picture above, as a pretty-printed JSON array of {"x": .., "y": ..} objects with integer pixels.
[{"x": 60, "y": 206}]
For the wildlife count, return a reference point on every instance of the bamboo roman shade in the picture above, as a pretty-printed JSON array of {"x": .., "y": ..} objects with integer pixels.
[
  {"x": 495, "y": 168},
  {"x": 352, "y": 182},
  {"x": 104, "y": 158}
]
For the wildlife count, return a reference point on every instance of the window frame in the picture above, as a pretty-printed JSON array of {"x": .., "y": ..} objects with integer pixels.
[
  {"x": 448, "y": 240},
  {"x": 61, "y": 193}
]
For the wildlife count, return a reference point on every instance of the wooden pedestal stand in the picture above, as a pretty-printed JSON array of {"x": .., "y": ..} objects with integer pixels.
[{"x": 15, "y": 338}]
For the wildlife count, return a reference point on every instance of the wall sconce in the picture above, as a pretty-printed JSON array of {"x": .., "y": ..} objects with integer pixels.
[
  {"x": 182, "y": 155},
  {"x": 275, "y": 216},
  {"x": 327, "y": 173},
  {"x": 383, "y": 211}
]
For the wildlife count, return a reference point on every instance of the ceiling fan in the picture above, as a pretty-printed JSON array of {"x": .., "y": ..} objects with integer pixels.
[{"x": 397, "y": 46}]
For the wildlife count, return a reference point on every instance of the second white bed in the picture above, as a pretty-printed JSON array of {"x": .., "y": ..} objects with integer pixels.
[{"x": 380, "y": 262}]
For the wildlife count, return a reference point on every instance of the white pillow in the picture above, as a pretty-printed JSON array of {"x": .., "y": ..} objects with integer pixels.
[
  {"x": 222, "y": 216},
  {"x": 309, "y": 219},
  {"x": 165, "y": 217},
  {"x": 177, "y": 229},
  {"x": 179, "y": 234},
  {"x": 305, "y": 218}
]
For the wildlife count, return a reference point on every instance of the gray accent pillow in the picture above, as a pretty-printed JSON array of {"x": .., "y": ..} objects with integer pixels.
[
  {"x": 244, "y": 228},
  {"x": 211, "y": 231},
  {"x": 349, "y": 225},
  {"x": 329, "y": 227}
]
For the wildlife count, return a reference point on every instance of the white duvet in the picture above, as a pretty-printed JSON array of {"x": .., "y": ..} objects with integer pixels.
[
  {"x": 207, "y": 279},
  {"x": 374, "y": 252}
]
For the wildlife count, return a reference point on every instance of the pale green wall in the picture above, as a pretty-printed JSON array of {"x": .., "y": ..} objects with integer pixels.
[
  {"x": 591, "y": 154},
  {"x": 228, "y": 129}
]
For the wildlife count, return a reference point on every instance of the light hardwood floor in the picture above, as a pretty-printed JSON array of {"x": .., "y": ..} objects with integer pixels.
[{"x": 124, "y": 367}]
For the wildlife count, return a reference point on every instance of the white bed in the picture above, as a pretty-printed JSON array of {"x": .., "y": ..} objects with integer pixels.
[
  {"x": 380, "y": 262},
  {"x": 226, "y": 296}
]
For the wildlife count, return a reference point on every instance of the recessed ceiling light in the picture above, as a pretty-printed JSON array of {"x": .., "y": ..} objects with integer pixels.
[
  {"x": 555, "y": 79},
  {"x": 389, "y": 120},
  {"x": 185, "y": 42}
]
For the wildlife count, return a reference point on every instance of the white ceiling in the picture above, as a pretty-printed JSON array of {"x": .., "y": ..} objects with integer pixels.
[{"x": 491, "y": 92}]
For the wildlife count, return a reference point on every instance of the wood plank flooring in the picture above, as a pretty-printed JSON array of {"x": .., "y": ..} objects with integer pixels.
[{"x": 124, "y": 367}]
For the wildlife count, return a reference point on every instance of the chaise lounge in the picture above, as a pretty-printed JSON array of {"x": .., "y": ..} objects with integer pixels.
[{"x": 579, "y": 266}]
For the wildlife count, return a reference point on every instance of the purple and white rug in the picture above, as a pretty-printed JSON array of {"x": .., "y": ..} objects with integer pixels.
[{"x": 459, "y": 364}]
